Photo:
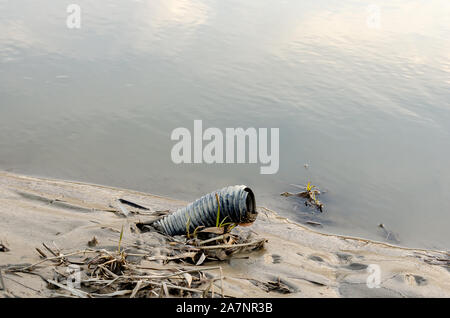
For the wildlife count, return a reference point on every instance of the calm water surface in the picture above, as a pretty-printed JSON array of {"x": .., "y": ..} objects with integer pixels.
[{"x": 368, "y": 109}]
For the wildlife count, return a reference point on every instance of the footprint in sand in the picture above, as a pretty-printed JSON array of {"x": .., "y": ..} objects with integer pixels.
[
  {"x": 344, "y": 258},
  {"x": 316, "y": 258},
  {"x": 276, "y": 259},
  {"x": 357, "y": 266},
  {"x": 415, "y": 280}
]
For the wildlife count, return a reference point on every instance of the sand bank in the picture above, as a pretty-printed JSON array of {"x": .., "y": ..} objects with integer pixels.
[{"x": 311, "y": 264}]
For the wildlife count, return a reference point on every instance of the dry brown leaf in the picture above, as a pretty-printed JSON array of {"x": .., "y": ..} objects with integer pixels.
[{"x": 201, "y": 260}]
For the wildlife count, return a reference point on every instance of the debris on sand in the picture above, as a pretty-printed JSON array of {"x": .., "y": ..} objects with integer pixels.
[
  {"x": 310, "y": 194},
  {"x": 177, "y": 268},
  {"x": 275, "y": 286}
]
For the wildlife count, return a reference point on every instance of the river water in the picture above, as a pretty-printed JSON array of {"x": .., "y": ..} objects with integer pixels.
[{"x": 360, "y": 91}]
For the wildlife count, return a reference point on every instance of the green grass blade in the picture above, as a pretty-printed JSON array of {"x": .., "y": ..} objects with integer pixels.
[
  {"x": 218, "y": 211},
  {"x": 221, "y": 223},
  {"x": 188, "y": 224},
  {"x": 120, "y": 240}
]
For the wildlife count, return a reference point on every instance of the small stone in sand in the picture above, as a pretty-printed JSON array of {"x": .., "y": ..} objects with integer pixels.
[{"x": 93, "y": 242}]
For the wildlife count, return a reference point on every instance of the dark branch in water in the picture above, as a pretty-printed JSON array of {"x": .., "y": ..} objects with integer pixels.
[{"x": 134, "y": 205}]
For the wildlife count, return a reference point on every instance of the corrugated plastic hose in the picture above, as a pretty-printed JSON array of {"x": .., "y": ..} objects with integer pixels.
[{"x": 237, "y": 205}]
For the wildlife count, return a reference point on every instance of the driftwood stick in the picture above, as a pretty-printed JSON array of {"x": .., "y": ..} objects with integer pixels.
[
  {"x": 217, "y": 238},
  {"x": 49, "y": 249},
  {"x": 76, "y": 292},
  {"x": 225, "y": 246},
  {"x": 50, "y": 259},
  {"x": 200, "y": 269}
]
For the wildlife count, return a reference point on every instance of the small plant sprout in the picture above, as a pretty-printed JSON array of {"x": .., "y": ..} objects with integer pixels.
[
  {"x": 120, "y": 241},
  {"x": 196, "y": 230},
  {"x": 310, "y": 194},
  {"x": 188, "y": 224},
  {"x": 309, "y": 187},
  {"x": 218, "y": 211},
  {"x": 222, "y": 224}
]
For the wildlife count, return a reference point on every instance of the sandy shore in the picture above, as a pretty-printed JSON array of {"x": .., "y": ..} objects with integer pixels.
[{"x": 311, "y": 264}]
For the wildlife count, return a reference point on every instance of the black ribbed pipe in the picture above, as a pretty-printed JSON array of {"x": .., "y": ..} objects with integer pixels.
[{"x": 237, "y": 203}]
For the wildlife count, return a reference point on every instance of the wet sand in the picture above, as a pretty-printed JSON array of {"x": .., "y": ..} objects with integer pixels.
[{"x": 311, "y": 264}]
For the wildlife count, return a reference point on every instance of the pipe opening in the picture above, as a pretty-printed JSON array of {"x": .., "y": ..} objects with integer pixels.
[{"x": 251, "y": 206}]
